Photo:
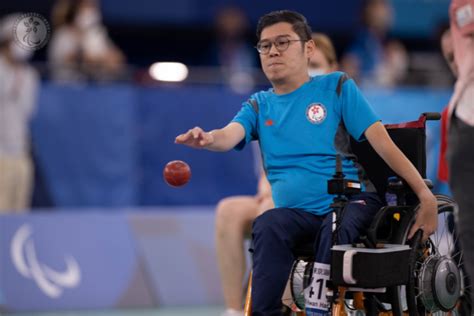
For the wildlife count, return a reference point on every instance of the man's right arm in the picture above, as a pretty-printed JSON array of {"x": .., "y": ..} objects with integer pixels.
[{"x": 223, "y": 139}]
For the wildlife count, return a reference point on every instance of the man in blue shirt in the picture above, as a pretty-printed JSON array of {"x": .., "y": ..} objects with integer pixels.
[{"x": 302, "y": 123}]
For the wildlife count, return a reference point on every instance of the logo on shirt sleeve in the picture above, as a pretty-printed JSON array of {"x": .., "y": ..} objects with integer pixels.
[{"x": 316, "y": 113}]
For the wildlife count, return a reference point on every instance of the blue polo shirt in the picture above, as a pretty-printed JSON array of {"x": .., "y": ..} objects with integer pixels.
[{"x": 300, "y": 134}]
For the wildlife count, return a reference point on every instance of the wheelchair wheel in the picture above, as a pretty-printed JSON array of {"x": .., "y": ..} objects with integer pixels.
[{"x": 438, "y": 284}]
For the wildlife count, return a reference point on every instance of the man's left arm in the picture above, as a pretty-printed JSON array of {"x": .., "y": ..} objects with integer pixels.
[{"x": 426, "y": 218}]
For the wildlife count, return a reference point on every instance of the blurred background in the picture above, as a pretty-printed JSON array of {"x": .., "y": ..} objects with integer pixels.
[{"x": 89, "y": 119}]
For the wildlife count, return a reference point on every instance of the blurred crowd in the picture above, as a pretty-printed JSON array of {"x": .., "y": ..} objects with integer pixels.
[{"x": 81, "y": 49}]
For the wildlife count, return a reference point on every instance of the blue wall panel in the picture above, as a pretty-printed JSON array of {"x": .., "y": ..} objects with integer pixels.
[
  {"x": 146, "y": 257},
  {"x": 70, "y": 261},
  {"x": 84, "y": 138}
]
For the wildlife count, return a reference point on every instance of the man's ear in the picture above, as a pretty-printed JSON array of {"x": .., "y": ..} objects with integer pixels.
[{"x": 310, "y": 48}]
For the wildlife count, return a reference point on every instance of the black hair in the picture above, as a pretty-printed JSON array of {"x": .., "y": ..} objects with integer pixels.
[{"x": 298, "y": 22}]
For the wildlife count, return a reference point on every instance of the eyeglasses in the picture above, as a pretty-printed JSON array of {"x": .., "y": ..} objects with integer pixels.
[{"x": 281, "y": 44}]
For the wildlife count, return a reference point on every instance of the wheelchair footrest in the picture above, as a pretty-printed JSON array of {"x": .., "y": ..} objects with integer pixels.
[{"x": 370, "y": 268}]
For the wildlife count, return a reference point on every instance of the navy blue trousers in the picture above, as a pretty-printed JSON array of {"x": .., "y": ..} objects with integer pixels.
[{"x": 276, "y": 232}]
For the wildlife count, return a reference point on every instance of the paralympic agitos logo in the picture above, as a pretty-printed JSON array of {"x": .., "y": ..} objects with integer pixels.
[{"x": 24, "y": 258}]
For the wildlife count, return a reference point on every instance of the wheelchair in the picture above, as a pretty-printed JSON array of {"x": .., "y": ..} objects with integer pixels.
[{"x": 393, "y": 275}]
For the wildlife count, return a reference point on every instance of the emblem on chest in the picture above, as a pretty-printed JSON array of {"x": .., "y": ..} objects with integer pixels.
[{"x": 316, "y": 113}]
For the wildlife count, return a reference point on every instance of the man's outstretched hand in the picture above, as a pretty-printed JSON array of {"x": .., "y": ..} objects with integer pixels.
[{"x": 195, "y": 138}]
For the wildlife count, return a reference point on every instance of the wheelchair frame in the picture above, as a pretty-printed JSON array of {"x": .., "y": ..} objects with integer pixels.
[{"x": 397, "y": 219}]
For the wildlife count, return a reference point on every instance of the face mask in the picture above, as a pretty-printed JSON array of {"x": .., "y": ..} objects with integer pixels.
[
  {"x": 88, "y": 18},
  {"x": 315, "y": 72},
  {"x": 20, "y": 54}
]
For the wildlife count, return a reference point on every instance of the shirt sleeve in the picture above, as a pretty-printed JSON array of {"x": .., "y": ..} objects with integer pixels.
[
  {"x": 356, "y": 111},
  {"x": 247, "y": 117}
]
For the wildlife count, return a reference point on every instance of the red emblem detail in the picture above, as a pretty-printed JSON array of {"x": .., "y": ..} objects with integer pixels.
[
  {"x": 268, "y": 122},
  {"x": 316, "y": 113}
]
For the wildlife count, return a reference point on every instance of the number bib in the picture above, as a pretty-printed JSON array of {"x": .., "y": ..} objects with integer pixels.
[{"x": 315, "y": 295}]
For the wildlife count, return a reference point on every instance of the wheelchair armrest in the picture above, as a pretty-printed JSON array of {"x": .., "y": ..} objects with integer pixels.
[
  {"x": 432, "y": 116},
  {"x": 385, "y": 216},
  {"x": 397, "y": 186}
]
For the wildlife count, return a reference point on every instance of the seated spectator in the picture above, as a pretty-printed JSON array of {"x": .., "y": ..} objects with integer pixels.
[
  {"x": 324, "y": 59},
  {"x": 80, "y": 48}
]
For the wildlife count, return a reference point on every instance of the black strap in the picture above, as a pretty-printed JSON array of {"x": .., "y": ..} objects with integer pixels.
[
  {"x": 254, "y": 104},
  {"x": 341, "y": 81}
]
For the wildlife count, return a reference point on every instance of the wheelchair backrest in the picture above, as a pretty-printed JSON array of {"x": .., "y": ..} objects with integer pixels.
[{"x": 409, "y": 137}]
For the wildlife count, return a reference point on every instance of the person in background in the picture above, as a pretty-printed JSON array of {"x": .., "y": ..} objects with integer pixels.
[
  {"x": 19, "y": 84},
  {"x": 232, "y": 51},
  {"x": 447, "y": 50},
  {"x": 234, "y": 215},
  {"x": 461, "y": 125},
  {"x": 80, "y": 47},
  {"x": 371, "y": 60},
  {"x": 324, "y": 59}
]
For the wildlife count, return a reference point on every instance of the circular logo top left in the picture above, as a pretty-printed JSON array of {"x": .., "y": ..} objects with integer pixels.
[{"x": 31, "y": 31}]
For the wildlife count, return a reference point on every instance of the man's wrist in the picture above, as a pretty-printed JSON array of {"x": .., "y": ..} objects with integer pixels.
[{"x": 426, "y": 196}]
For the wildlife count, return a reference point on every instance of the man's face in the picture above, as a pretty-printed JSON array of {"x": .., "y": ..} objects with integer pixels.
[
  {"x": 284, "y": 65},
  {"x": 448, "y": 52}
]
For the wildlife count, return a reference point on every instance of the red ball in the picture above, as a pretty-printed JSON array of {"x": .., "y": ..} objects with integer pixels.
[{"x": 177, "y": 173}]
